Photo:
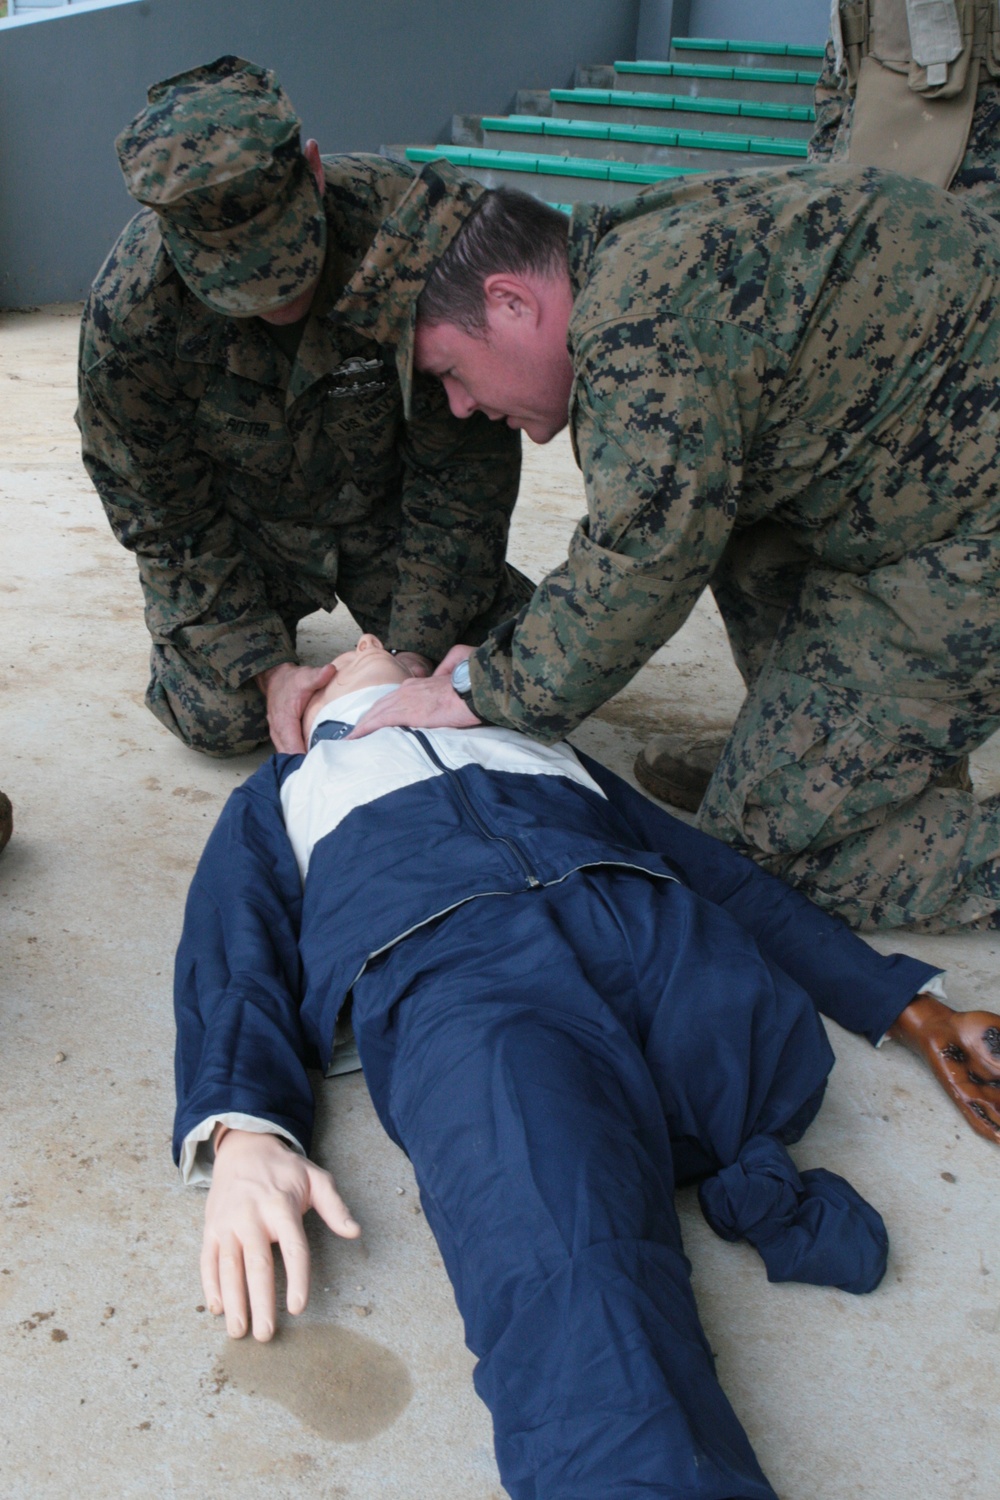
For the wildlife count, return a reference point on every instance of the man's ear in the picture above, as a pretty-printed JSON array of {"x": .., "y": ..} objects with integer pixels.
[
  {"x": 511, "y": 297},
  {"x": 311, "y": 153}
]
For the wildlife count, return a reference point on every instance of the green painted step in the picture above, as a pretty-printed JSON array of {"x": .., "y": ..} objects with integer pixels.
[
  {"x": 637, "y": 99},
  {"x": 715, "y": 44},
  {"x": 709, "y": 71},
  {"x": 645, "y": 135},
  {"x": 553, "y": 166}
]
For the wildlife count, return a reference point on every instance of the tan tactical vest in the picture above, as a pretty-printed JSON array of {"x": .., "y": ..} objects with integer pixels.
[{"x": 914, "y": 66}]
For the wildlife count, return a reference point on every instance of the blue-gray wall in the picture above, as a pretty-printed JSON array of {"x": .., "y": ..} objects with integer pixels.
[
  {"x": 805, "y": 23},
  {"x": 360, "y": 75}
]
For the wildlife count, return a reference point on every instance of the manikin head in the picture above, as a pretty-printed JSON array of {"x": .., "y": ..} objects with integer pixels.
[
  {"x": 368, "y": 665},
  {"x": 493, "y": 317}
]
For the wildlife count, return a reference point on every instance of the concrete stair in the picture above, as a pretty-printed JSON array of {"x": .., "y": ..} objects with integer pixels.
[{"x": 716, "y": 105}]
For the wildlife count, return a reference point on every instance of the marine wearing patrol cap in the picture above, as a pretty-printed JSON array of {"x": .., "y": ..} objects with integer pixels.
[{"x": 216, "y": 155}]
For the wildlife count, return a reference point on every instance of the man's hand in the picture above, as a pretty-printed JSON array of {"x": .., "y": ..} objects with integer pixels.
[
  {"x": 418, "y": 665},
  {"x": 447, "y": 665},
  {"x": 259, "y": 1194},
  {"x": 288, "y": 689},
  {"x": 422, "y": 703},
  {"x": 963, "y": 1050}
]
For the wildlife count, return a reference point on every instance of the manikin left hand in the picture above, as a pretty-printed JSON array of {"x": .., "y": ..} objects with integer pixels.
[
  {"x": 427, "y": 703},
  {"x": 963, "y": 1051},
  {"x": 259, "y": 1193}
]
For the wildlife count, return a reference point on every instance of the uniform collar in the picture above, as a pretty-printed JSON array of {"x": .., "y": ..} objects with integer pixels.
[
  {"x": 352, "y": 707},
  {"x": 587, "y": 227}
]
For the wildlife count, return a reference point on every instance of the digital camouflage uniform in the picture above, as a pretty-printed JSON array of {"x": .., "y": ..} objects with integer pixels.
[
  {"x": 947, "y": 128},
  {"x": 787, "y": 386},
  {"x": 254, "y": 487}
]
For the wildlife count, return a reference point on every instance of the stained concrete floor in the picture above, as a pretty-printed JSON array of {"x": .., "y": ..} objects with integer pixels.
[{"x": 116, "y": 1383}]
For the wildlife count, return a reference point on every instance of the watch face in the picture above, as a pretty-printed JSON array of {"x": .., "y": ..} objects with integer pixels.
[{"x": 460, "y": 679}]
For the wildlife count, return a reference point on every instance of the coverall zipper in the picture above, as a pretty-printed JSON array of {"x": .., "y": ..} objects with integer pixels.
[{"x": 455, "y": 781}]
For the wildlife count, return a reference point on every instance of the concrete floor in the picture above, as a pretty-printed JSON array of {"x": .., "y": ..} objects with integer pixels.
[{"x": 116, "y": 1382}]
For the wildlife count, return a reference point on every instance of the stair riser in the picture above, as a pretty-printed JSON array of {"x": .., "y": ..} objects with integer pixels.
[
  {"x": 715, "y": 88},
  {"x": 745, "y": 60}
]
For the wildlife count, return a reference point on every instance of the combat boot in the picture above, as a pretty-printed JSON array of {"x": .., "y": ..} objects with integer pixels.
[
  {"x": 677, "y": 767},
  {"x": 6, "y": 819}
]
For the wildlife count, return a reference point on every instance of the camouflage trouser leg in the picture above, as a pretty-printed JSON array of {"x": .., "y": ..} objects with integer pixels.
[
  {"x": 512, "y": 595},
  {"x": 814, "y": 792},
  {"x": 195, "y": 704},
  {"x": 834, "y": 103},
  {"x": 847, "y": 791},
  {"x": 756, "y": 582},
  {"x": 978, "y": 177}
]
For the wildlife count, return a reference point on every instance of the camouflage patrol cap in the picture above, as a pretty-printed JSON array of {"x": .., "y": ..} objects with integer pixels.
[
  {"x": 381, "y": 297},
  {"x": 216, "y": 155}
]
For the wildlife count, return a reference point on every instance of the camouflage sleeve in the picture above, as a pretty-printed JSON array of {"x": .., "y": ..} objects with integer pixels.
[
  {"x": 201, "y": 591},
  {"x": 660, "y": 434},
  {"x": 459, "y": 491}
]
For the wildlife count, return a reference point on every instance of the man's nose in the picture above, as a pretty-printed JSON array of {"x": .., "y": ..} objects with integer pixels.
[{"x": 461, "y": 403}]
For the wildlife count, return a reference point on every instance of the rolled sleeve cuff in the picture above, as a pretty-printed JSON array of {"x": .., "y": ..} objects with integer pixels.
[
  {"x": 198, "y": 1154},
  {"x": 934, "y": 986}
]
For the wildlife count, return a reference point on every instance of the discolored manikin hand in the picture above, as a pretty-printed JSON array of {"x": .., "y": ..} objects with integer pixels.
[{"x": 962, "y": 1049}]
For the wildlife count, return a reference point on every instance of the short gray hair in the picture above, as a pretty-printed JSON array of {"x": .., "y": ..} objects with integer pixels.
[{"x": 507, "y": 231}]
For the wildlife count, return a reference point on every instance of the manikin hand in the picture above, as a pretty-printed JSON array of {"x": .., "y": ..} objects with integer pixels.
[
  {"x": 428, "y": 704},
  {"x": 963, "y": 1050},
  {"x": 288, "y": 688},
  {"x": 260, "y": 1191}
]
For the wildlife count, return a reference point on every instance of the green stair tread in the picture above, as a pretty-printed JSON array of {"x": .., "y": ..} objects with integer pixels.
[
  {"x": 641, "y": 135},
  {"x": 553, "y": 166},
  {"x": 637, "y": 99},
  {"x": 786, "y": 49},
  {"x": 711, "y": 70},
  {"x": 699, "y": 43},
  {"x": 675, "y": 70},
  {"x": 525, "y": 124},
  {"x": 764, "y": 49},
  {"x": 777, "y": 147}
]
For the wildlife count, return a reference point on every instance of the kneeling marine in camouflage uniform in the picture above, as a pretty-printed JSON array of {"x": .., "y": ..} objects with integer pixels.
[
  {"x": 244, "y": 426},
  {"x": 786, "y": 386}
]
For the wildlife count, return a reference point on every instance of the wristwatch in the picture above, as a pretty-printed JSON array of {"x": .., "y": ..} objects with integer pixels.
[{"x": 462, "y": 683}]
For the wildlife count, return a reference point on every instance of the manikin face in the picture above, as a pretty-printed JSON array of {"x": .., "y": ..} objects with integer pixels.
[
  {"x": 519, "y": 372},
  {"x": 368, "y": 665}
]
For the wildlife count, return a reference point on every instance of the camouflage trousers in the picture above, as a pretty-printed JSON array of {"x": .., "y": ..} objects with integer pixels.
[
  {"x": 192, "y": 700},
  {"x": 864, "y": 696},
  {"x": 190, "y": 697}
]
